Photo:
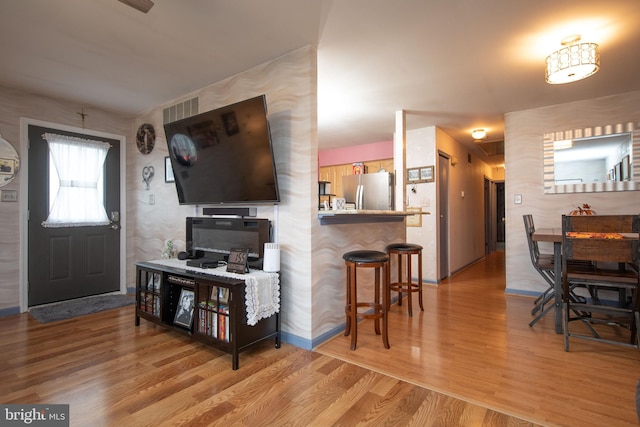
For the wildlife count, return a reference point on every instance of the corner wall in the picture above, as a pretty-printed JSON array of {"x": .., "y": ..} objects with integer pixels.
[{"x": 289, "y": 83}]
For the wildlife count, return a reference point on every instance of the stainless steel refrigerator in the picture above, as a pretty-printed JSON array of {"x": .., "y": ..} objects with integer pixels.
[{"x": 369, "y": 191}]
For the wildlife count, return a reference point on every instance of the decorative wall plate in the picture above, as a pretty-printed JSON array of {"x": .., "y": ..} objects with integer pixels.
[{"x": 146, "y": 138}]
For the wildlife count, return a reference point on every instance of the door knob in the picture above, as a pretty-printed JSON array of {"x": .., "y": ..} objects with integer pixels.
[{"x": 115, "y": 218}]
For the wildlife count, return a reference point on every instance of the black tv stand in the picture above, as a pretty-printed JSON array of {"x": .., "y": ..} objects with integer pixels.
[{"x": 220, "y": 314}]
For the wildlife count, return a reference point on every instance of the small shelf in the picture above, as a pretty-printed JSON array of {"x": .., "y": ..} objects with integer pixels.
[
  {"x": 324, "y": 193},
  {"x": 361, "y": 216},
  {"x": 148, "y": 301}
]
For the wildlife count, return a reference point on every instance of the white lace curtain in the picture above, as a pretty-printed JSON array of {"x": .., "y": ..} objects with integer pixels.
[{"x": 79, "y": 164}]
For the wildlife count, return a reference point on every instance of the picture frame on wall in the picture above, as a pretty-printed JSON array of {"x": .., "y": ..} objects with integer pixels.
[
  {"x": 413, "y": 175},
  {"x": 168, "y": 170},
  {"x": 619, "y": 172},
  {"x": 420, "y": 174},
  {"x": 426, "y": 174}
]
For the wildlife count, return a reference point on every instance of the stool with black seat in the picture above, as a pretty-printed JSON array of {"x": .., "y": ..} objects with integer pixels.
[
  {"x": 380, "y": 305},
  {"x": 406, "y": 285}
]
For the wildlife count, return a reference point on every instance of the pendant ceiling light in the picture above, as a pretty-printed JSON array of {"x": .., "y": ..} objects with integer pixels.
[{"x": 575, "y": 61}]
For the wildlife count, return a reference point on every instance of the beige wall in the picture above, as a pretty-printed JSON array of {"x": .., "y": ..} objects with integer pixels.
[
  {"x": 14, "y": 105},
  {"x": 524, "y": 175}
]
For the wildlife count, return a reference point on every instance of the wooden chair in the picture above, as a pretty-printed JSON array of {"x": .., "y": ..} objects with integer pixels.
[{"x": 611, "y": 243}]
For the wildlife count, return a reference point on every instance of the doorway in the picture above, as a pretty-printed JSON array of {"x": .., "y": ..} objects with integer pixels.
[
  {"x": 64, "y": 263},
  {"x": 494, "y": 214}
]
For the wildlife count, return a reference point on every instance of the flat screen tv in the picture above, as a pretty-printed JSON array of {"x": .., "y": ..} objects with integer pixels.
[{"x": 224, "y": 156}]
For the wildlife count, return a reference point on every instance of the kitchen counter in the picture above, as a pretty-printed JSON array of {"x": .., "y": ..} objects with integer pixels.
[{"x": 352, "y": 216}]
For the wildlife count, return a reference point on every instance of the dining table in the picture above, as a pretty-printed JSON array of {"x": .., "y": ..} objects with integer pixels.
[{"x": 554, "y": 235}]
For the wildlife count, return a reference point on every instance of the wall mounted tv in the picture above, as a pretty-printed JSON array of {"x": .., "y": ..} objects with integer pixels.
[{"x": 224, "y": 156}]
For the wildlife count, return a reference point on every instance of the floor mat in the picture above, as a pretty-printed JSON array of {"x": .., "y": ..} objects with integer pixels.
[{"x": 79, "y": 307}]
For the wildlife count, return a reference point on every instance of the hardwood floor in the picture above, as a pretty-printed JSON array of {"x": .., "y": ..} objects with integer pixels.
[
  {"x": 473, "y": 342},
  {"x": 469, "y": 360}
]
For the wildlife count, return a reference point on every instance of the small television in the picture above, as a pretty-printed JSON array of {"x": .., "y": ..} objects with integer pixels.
[{"x": 224, "y": 156}]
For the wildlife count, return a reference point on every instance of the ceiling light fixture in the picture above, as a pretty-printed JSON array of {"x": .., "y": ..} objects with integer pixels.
[
  {"x": 479, "y": 134},
  {"x": 575, "y": 61}
]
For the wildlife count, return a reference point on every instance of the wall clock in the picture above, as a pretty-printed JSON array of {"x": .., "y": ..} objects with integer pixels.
[{"x": 145, "y": 138}]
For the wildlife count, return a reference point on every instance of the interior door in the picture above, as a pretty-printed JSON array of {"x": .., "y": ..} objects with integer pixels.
[
  {"x": 70, "y": 262},
  {"x": 501, "y": 213},
  {"x": 443, "y": 211},
  {"x": 487, "y": 217}
]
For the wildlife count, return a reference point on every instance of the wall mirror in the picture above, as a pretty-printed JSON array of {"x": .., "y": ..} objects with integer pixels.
[
  {"x": 9, "y": 162},
  {"x": 596, "y": 159}
]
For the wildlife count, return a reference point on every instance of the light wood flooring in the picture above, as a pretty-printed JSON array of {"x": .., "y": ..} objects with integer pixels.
[
  {"x": 469, "y": 360},
  {"x": 473, "y": 342}
]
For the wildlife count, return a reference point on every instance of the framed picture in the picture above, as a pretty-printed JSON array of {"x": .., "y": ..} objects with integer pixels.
[
  {"x": 619, "y": 172},
  {"x": 421, "y": 174},
  {"x": 184, "y": 310},
  {"x": 626, "y": 171},
  {"x": 413, "y": 174},
  {"x": 168, "y": 170},
  {"x": 426, "y": 174}
]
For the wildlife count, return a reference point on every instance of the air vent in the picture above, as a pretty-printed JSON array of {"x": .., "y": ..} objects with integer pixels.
[
  {"x": 492, "y": 148},
  {"x": 180, "y": 111}
]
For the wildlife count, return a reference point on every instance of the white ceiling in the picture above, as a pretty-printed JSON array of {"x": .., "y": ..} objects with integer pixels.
[{"x": 457, "y": 64}]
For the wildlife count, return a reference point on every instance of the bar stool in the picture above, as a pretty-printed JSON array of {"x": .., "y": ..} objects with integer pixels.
[
  {"x": 407, "y": 286},
  {"x": 367, "y": 259}
]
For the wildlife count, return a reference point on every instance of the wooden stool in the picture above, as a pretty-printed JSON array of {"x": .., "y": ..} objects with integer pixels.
[
  {"x": 407, "y": 286},
  {"x": 367, "y": 259}
]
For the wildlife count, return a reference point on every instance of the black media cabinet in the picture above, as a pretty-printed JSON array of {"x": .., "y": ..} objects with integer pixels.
[{"x": 219, "y": 315}]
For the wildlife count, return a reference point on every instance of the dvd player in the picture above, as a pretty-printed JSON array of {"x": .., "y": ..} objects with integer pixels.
[{"x": 204, "y": 263}]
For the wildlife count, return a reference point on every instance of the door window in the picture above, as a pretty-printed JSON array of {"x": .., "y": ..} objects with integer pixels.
[{"x": 76, "y": 170}]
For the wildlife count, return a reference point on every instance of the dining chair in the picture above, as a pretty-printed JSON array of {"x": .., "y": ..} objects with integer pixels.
[
  {"x": 543, "y": 264},
  {"x": 611, "y": 244}
]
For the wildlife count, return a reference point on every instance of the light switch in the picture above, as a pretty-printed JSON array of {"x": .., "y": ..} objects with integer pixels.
[{"x": 517, "y": 199}]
